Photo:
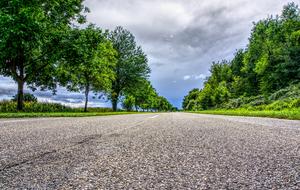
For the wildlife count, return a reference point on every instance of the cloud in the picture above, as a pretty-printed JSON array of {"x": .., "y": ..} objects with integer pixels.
[
  {"x": 8, "y": 89},
  {"x": 194, "y": 77},
  {"x": 201, "y": 76},
  {"x": 183, "y": 36},
  {"x": 187, "y": 77}
]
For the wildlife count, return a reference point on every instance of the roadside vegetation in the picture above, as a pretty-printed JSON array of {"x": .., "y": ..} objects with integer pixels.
[
  {"x": 33, "y": 108},
  {"x": 293, "y": 114},
  {"x": 48, "y": 44},
  {"x": 261, "y": 80},
  {"x": 60, "y": 114}
]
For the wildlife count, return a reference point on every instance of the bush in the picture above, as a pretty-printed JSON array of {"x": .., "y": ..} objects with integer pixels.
[
  {"x": 27, "y": 98},
  {"x": 287, "y": 98},
  {"x": 295, "y": 103},
  {"x": 284, "y": 104},
  {"x": 277, "y": 105},
  {"x": 10, "y": 106},
  {"x": 291, "y": 92}
]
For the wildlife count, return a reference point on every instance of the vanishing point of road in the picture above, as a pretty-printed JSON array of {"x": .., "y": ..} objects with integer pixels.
[{"x": 150, "y": 151}]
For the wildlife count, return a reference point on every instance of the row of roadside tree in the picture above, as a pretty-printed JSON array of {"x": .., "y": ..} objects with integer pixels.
[{"x": 46, "y": 44}]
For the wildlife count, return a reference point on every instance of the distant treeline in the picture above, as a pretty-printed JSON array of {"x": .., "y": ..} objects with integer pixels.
[
  {"x": 43, "y": 44},
  {"x": 269, "y": 64}
]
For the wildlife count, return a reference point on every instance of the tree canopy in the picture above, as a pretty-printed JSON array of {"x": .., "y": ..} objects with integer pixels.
[
  {"x": 43, "y": 45},
  {"x": 146, "y": 98},
  {"x": 29, "y": 33},
  {"x": 131, "y": 67},
  {"x": 88, "y": 61}
]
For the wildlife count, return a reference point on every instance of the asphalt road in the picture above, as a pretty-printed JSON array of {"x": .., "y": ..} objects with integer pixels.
[{"x": 150, "y": 151}]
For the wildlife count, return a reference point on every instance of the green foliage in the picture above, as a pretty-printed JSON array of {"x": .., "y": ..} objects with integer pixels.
[
  {"x": 41, "y": 47},
  {"x": 287, "y": 98},
  {"x": 282, "y": 114},
  {"x": 128, "y": 103},
  {"x": 291, "y": 92},
  {"x": 131, "y": 67},
  {"x": 89, "y": 60},
  {"x": 162, "y": 104},
  {"x": 146, "y": 98},
  {"x": 10, "y": 106},
  {"x": 206, "y": 98},
  {"x": 265, "y": 75},
  {"x": 27, "y": 98},
  {"x": 60, "y": 114},
  {"x": 29, "y": 34},
  {"x": 189, "y": 101}
]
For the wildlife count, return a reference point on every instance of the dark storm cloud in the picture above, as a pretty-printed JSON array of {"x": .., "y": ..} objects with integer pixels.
[
  {"x": 69, "y": 98},
  {"x": 181, "y": 37},
  {"x": 8, "y": 89}
]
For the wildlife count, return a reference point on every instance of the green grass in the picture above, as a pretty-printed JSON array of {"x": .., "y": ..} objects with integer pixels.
[
  {"x": 293, "y": 114},
  {"x": 60, "y": 114}
]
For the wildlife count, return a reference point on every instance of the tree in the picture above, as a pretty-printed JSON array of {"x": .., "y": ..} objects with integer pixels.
[
  {"x": 29, "y": 32},
  {"x": 273, "y": 52},
  {"x": 221, "y": 93},
  {"x": 236, "y": 64},
  {"x": 131, "y": 67},
  {"x": 89, "y": 59},
  {"x": 189, "y": 102},
  {"x": 143, "y": 97},
  {"x": 206, "y": 100},
  {"x": 163, "y": 104},
  {"x": 128, "y": 103}
]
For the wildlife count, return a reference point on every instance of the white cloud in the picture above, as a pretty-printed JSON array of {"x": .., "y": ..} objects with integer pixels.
[
  {"x": 194, "y": 77},
  {"x": 201, "y": 76},
  {"x": 187, "y": 77}
]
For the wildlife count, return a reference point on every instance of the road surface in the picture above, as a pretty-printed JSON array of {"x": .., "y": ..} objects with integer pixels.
[{"x": 150, "y": 151}]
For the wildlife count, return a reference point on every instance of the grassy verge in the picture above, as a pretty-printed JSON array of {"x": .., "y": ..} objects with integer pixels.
[
  {"x": 293, "y": 114},
  {"x": 60, "y": 114}
]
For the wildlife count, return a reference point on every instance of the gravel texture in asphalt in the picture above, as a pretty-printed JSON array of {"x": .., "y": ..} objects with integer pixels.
[{"x": 150, "y": 151}]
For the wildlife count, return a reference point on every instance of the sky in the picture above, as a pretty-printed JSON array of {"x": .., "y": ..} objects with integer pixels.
[{"x": 180, "y": 37}]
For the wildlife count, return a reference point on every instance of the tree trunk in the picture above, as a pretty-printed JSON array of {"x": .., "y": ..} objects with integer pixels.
[
  {"x": 87, "y": 90},
  {"x": 114, "y": 102},
  {"x": 20, "y": 98}
]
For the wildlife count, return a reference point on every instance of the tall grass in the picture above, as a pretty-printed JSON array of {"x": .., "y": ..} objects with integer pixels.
[{"x": 293, "y": 114}]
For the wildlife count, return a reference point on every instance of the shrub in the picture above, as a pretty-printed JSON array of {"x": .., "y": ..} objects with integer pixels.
[
  {"x": 10, "y": 106},
  {"x": 295, "y": 103},
  {"x": 277, "y": 105},
  {"x": 27, "y": 98},
  {"x": 291, "y": 92}
]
